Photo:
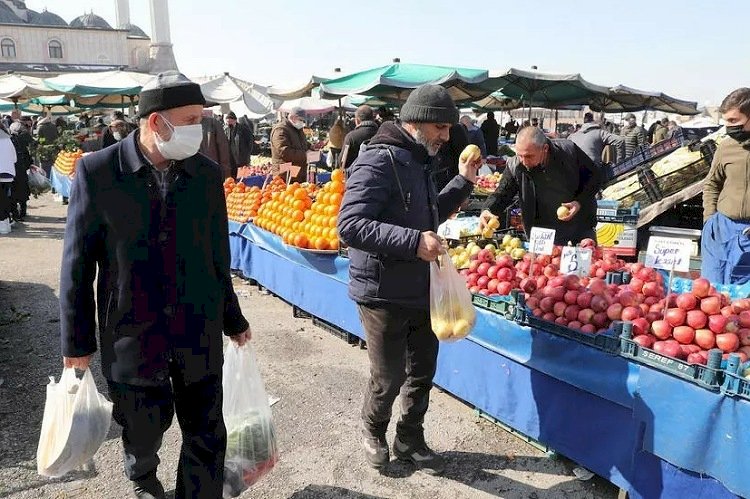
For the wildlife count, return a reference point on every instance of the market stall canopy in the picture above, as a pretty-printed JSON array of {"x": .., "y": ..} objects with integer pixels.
[
  {"x": 396, "y": 81},
  {"x": 102, "y": 83},
  {"x": 543, "y": 89},
  {"x": 310, "y": 105},
  {"x": 16, "y": 87},
  {"x": 496, "y": 101},
  {"x": 295, "y": 92},
  {"x": 622, "y": 99},
  {"x": 58, "y": 105},
  {"x": 242, "y": 97}
]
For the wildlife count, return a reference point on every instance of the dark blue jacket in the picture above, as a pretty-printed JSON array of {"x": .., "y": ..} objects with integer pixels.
[
  {"x": 381, "y": 222},
  {"x": 164, "y": 291}
]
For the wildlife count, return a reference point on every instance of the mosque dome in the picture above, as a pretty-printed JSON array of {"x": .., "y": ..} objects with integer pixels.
[
  {"x": 134, "y": 31},
  {"x": 90, "y": 20},
  {"x": 7, "y": 16},
  {"x": 46, "y": 18}
]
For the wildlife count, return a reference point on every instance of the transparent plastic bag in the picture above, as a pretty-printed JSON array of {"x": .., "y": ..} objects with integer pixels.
[
  {"x": 75, "y": 423},
  {"x": 251, "y": 438},
  {"x": 451, "y": 313},
  {"x": 38, "y": 181}
]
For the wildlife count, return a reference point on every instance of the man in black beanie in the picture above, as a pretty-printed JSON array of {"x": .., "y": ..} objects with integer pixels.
[
  {"x": 389, "y": 215},
  {"x": 147, "y": 217}
]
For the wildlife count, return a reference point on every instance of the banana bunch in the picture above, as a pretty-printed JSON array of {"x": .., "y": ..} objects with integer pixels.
[{"x": 608, "y": 233}]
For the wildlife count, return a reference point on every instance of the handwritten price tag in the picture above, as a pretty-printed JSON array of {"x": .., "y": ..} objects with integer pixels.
[
  {"x": 669, "y": 253},
  {"x": 541, "y": 241},
  {"x": 575, "y": 260}
]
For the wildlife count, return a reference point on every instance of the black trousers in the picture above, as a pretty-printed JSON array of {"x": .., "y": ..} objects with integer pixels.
[
  {"x": 145, "y": 413},
  {"x": 403, "y": 356}
]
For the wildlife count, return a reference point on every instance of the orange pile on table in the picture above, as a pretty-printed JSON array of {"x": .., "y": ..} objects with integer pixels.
[
  {"x": 299, "y": 220},
  {"x": 243, "y": 202}
]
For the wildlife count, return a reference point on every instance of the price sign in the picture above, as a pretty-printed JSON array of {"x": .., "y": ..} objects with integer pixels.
[
  {"x": 669, "y": 253},
  {"x": 293, "y": 170},
  {"x": 575, "y": 260},
  {"x": 541, "y": 241}
]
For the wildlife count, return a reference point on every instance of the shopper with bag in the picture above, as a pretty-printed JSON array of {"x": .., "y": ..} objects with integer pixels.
[
  {"x": 148, "y": 219},
  {"x": 389, "y": 215}
]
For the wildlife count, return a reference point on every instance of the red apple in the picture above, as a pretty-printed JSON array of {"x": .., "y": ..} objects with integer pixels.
[
  {"x": 599, "y": 303},
  {"x": 675, "y": 317},
  {"x": 600, "y": 319},
  {"x": 585, "y": 316},
  {"x": 614, "y": 312},
  {"x": 504, "y": 288},
  {"x": 711, "y": 305},
  {"x": 504, "y": 261},
  {"x": 645, "y": 340},
  {"x": 696, "y": 358},
  {"x": 636, "y": 285},
  {"x": 482, "y": 281},
  {"x": 652, "y": 289},
  {"x": 705, "y": 339},
  {"x": 696, "y": 319},
  {"x": 472, "y": 279},
  {"x": 570, "y": 297},
  {"x": 744, "y": 335},
  {"x": 701, "y": 287},
  {"x": 571, "y": 312},
  {"x": 630, "y": 313},
  {"x": 727, "y": 342},
  {"x": 684, "y": 334},
  {"x": 597, "y": 286},
  {"x": 483, "y": 268},
  {"x": 744, "y": 318},
  {"x": 584, "y": 300},
  {"x": 588, "y": 328},
  {"x": 561, "y": 321},
  {"x": 717, "y": 323},
  {"x": 537, "y": 312},
  {"x": 485, "y": 256},
  {"x": 559, "y": 308},
  {"x": 640, "y": 326},
  {"x": 661, "y": 329},
  {"x": 505, "y": 274},
  {"x": 575, "y": 325},
  {"x": 687, "y": 301},
  {"x": 550, "y": 270},
  {"x": 492, "y": 285},
  {"x": 541, "y": 281},
  {"x": 549, "y": 317}
]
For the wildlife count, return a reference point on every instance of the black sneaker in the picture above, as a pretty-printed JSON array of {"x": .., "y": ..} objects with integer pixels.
[
  {"x": 148, "y": 488},
  {"x": 421, "y": 456},
  {"x": 376, "y": 450}
]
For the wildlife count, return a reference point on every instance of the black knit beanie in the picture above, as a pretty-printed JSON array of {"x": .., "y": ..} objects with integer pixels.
[
  {"x": 429, "y": 104},
  {"x": 168, "y": 90}
]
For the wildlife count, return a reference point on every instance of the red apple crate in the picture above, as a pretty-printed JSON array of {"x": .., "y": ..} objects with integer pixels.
[
  {"x": 710, "y": 376},
  {"x": 601, "y": 341},
  {"x": 735, "y": 384}
]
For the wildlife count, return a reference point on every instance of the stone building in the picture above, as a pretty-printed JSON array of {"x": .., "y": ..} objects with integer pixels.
[{"x": 44, "y": 44}]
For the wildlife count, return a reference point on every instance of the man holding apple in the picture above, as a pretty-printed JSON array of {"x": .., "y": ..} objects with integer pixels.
[
  {"x": 556, "y": 183},
  {"x": 389, "y": 216}
]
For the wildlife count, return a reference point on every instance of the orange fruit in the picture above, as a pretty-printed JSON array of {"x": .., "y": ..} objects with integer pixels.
[
  {"x": 300, "y": 194},
  {"x": 337, "y": 186},
  {"x": 298, "y": 204},
  {"x": 321, "y": 243},
  {"x": 335, "y": 199},
  {"x": 332, "y": 220},
  {"x": 333, "y": 244},
  {"x": 298, "y": 215},
  {"x": 337, "y": 175},
  {"x": 329, "y": 210},
  {"x": 322, "y": 198},
  {"x": 308, "y": 214},
  {"x": 300, "y": 240}
]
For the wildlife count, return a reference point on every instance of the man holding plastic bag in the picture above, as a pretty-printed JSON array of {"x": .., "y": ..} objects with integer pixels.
[
  {"x": 148, "y": 218},
  {"x": 389, "y": 215}
]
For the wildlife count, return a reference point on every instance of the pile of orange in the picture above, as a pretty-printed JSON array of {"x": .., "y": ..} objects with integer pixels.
[
  {"x": 65, "y": 163},
  {"x": 301, "y": 222},
  {"x": 243, "y": 202}
]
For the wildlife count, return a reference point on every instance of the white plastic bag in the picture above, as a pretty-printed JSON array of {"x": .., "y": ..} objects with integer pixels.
[
  {"x": 452, "y": 315},
  {"x": 75, "y": 424},
  {"x": 38, "y": 182},
  {"x": 251, "y": 438}
]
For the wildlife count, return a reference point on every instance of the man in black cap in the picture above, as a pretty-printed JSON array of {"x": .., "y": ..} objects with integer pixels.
[
  {"x": 389, "y": 215},
  {"x": 240, "y": 143},
  {"x": 364, "y": 118},
  {"x": 148, "y": 219}
]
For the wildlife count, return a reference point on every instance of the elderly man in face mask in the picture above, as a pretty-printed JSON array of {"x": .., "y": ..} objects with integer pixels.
[
  {"x": 389, "y": 215},
  {"x": 288, "y": 143},
  {"x": 546, "y": 175},
  {"x": 147, "y": 218}
]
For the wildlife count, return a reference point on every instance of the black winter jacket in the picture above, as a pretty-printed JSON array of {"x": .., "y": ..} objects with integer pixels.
[
  {"x": 354, "y": 140},
  {"x": 390, "y": 200}
]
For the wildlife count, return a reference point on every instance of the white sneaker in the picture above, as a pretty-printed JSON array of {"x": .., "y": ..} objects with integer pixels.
[{"x": 5, "y": 226}]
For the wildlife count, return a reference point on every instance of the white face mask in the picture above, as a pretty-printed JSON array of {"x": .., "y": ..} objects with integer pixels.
[
  {"x": 299, "y": 125},
  {"x": 185, "y": 141},
  {"x": 117, "y": 136}
]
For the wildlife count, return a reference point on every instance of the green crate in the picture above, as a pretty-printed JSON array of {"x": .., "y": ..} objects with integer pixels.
[
  {"x": 710, "y": 377},
  {"x": 501, "y": 305}
]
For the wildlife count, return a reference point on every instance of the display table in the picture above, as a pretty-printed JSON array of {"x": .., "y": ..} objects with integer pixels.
[{"x": 651, "y": 434}]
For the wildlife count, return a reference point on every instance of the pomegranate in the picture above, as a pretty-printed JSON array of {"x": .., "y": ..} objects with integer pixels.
[
  {"x": 687, "y": 301},
  {"x": 661, "y": 329},
  {"x": 701, "y": 287},
  {"x": 675, "y": 317},
  {"x": 727, "y": 342}
]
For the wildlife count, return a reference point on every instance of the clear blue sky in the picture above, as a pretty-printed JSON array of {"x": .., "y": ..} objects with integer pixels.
[{"x": 691, "y": 49}]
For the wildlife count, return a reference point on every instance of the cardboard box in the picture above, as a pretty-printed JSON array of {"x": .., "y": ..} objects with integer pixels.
[{"x": 618, "y": 237}]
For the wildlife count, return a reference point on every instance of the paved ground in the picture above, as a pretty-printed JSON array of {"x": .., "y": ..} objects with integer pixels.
[{"x": 318, "y": 377}]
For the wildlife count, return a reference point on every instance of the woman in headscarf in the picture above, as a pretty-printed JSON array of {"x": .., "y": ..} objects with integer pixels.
[{"x": 22, "y": 140}]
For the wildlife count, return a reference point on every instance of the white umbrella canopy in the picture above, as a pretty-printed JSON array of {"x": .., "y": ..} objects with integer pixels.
[
  {"x": 15, "y": 87},
  {"x": 242, "y": 97},
  {"x": 100, "y": 83},
  {"x": 310, "y": 105}
]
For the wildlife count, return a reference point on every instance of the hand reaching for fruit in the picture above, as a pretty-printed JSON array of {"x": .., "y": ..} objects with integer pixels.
[
  {"x": 484, "y": 220},
  {"x": 430, "y": 246},
  {"x": 469, "y": 162},
  {"x": 567, "y": 211}
]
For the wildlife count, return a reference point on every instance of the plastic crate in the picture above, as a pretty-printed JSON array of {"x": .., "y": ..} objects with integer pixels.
[
  {"x": 602, "y": 341},
  {"x": 709, "y": 377},
  {"x": 298, "y": 313},
  {"x": 619, "y": 215},
  {"x": 501, "y": 305},
  {"x": 335, "y": 330},
  {"x": 735, "y": 384}
]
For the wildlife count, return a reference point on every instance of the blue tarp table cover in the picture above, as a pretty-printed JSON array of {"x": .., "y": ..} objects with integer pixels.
[
  {"x": 647, "y": 432},
  {"x": 61, "y": 183}
]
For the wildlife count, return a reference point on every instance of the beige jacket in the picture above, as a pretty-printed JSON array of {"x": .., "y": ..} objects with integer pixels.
[{"x": 727, "y": 187}]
